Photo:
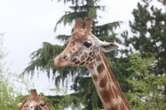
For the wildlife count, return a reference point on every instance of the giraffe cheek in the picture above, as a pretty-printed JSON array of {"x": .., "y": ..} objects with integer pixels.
[{"x": 61, "y": 62}]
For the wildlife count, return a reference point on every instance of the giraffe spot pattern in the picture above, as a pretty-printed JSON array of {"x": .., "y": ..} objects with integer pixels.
[
  {"x": 82, "y": 63},
  {"x": 94, "y": 77},
  {"x": 75, "y": 60},
  {"x": 91, "y": 65},
  {"x": 83, "y": 57},
  {"x": 88, "y": 59},
  {"x": 114, "y": 108},
  {"x": 103, "y": 82},
  {"x": 105, "y": 95},
  {"x": 98, "y": 58},
  {"x": 100, "y": 68}
]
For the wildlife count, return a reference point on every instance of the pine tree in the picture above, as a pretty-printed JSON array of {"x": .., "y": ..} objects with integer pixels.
[
  {"x": 147, "y": 68},
  {"x": 149, "y": 29}
]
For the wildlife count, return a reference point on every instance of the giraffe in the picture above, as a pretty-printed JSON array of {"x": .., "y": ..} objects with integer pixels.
[
  {"x": 34, "y": 102},
  {"x": 85, "y": 49}
]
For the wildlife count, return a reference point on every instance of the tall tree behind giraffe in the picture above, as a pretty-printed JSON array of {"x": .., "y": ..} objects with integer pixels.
[
  {"x": 42, "y": 58},
  {"x": 147, "y": 82}
]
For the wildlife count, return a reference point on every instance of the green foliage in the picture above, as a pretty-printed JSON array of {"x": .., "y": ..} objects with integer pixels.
[
  {"x": 106, "y": 31},
  {"x": 144, "y": 89},
  {"x": 149, "y": 28},
  {"x": 7, "y": 99},
  {"x": 147, "y": 69},
  {"x": 60, "y": 102},
  {"x": 42, "y": 58}
]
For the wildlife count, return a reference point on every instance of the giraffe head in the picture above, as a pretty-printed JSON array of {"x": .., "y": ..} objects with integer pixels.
[
  {"x": 34, "y": 102},
  {"x": 82, "y": 46},
  {"x": 34, "y": 105}
]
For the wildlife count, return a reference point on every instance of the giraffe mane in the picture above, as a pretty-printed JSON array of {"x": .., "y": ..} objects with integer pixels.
[{"x": 113, "y": 77}]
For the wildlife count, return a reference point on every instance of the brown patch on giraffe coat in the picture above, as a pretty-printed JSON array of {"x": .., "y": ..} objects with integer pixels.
[
  {"x": 94, "y": 77},
  {"x": 122, "y": 106},
  {"x": 114, "y": 108},
  {"x": 105, "y": 94},
  {"x": 98, "y": 58},
  {"x": 100, "y": 68},
  {"x": 103, "y": 82},
  {"x": 88, "y": 59},
  {"x": 72, "y": 43},
  {"x": 111, "y": 92},
  {"x": 82, "y": 63},
  {"x": 91, "y": 65},
  {"x": 82, "y": 57},
  {"x": 91, "y": 59}
]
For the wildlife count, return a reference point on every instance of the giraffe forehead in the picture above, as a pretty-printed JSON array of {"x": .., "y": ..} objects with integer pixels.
[
  {"x": 80, "y": 35},
  {"x": 77, "y": 33},
  {"x": 33, "y": 103},
  {"x": 75, "y": 45}
]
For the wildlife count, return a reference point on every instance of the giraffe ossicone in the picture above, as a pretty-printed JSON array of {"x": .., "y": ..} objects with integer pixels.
[{"x": 84, "y": 48}]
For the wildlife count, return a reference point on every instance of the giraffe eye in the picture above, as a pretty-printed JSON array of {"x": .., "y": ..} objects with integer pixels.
[{"x": 87, "y": 44}]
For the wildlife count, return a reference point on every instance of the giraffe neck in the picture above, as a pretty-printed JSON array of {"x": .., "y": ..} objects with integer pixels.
[{"x": 106, "y": 85}]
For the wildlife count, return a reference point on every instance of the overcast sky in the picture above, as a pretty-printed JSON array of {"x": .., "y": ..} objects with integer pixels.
[{"x": 28, "y": 23}]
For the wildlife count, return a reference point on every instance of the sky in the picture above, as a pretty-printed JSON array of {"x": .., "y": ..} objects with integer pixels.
[{"x": 25, "y": 24}]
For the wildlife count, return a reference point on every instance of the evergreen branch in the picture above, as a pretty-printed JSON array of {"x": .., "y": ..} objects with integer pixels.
[
  {"x": 42, "y": 59},
  {"x": 63, "y": 37},
  {"x": 69, "y": 17}
]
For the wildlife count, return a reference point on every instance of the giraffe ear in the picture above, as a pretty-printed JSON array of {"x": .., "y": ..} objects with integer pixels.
[
  {"x": 88, "y": 24},
  {"x": 105, "y": 46},
  {"x": 78, "y": 23},
  {"x": 108, "y": 46},
  {"x": 19, "y": 104}
]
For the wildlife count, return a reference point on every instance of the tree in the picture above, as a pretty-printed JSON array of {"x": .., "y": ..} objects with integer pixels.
[
  {"x": 147, "y": 69},
  {"x": 42, "y": 59},
  {"x": 149, "y": 29},
  {"x": 7, "y": 99},
  {"x": 145, "y": 90}
]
